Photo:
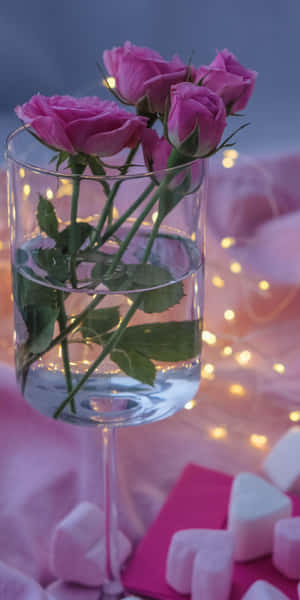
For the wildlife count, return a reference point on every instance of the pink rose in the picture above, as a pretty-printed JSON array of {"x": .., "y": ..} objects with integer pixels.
[
  {"x": 229, "y": 79},
  {"x": 199, "y": 111},
  {"x": 141, "y": 72},
  {"x": 88, "y": 125},
  {"x": 156, "y": 152}
]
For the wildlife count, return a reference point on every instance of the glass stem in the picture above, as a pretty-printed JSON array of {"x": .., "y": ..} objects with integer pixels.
[{"x": 113, "y": 584}]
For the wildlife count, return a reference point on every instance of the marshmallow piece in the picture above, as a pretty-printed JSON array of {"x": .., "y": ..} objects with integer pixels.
[
  {"x": 213, "y": 565},
  {"x": 255, "y": 506},
  {"x": 262, "y": 590},
  {"x": 282, "y": 465},
  {"x": 66, "y": 591},
  {"x": 78, "y": 549},
  {"x": 286, "y": 554},
  {"x": 184, "y": 546},
  {"x": 14, "y": 585}
]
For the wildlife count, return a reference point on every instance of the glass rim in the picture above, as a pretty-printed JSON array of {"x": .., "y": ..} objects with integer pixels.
[{"x": 44, "y": 171}]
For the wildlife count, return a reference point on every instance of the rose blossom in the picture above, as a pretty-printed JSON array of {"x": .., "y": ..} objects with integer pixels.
[
  {"x": 141, "y": 72},
  {"x": 88, "y": 125},
  {"x": 229, "y": 79},
  {"x": 193, "y": 106}
]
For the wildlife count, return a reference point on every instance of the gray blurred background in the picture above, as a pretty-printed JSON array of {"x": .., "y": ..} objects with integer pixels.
[{"x": 52, "y": 46}]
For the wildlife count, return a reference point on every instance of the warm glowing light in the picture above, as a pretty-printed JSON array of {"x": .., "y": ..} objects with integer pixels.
[
  {"x": 26, "y": 189},
  {"x": 209, "y": 337},
  {"x": 243, "y": 357},
  {"x": 218, "y": 281},
  {"x": 1, "y": 245},
  {"x": 279, "y": 368},
  {"x": 259, "y": 441},
  {"x": 226, "y": 242},
  {"x": 235, "y": 267},
  {"x": 229, "y": 314},
  {"x": 190, "y": 405},
  {"x": 22, "y": 173},
  {"x": 227, "y": 351},
  {"x": 237, "y": 389},
  {"x": 209, "y": 368},
  {"x": 49, "y": 194},
  {"x": 65, "y": 189},
  {"x": 193, "y": 237},
  {"x": 59, "y": 354},
  {"x": 218, "y": 433},
  {"x": 227, "y": 162},
  {"x": 231, "y": 153},
  {"x": 295, "y": 416},
  {"x": 154, "y": 216},
  {"x": 264, "y": 285},
  {"x": 115, "y": 213},
  {"x": 109, "y": 82}
]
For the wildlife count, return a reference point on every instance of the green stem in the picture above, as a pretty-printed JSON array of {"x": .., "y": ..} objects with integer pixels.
[
  {"x": 62, "y": 321},
  {"x": 106, "y": 350},
  {"x": 73, "y": 232},
  {"x": 111, "y": 230},
  {"x": 107, "y": 210}
]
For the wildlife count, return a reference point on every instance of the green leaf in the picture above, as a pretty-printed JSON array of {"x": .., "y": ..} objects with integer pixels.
[
  {"x": 54, "y": 263},
  {"x": 28, "y": 292},
  {"x": 98, "y": 322},
  {"x": 162, "y": 298},
  {"x": 171, "y": 341},
  {"x": 47, "y": 218},
  {"x": 189, "y": 147},
  {"x": 40, "y": 322},
  {"x": 83, "y": 231},
  {"x": 135, "y": 365}
]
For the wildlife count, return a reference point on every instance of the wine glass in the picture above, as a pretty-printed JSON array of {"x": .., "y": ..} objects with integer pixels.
[{"x": 108, "y": 275}]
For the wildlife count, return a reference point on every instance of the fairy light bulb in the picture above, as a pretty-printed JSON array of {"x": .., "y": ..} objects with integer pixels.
[
  {"x": 189, "y": 405},
  {"x": 279, "y": 368},
  {"x": 26, "y": 189},
  {"x": 218, "y": 433},
  {"x": 22, "y": 172},
  {"x": 227, "y": 351},
  {"x": 244, "y": 357},
  {"x": 208, "y": 371},
  {"x": 49, "y": 194},
  {"x": 109, "y": 82},
  {"x": 294, "y": 416},
  {"x": 231, "y": 153},
  {"x": 154, "y": 216},
  {"x": 217, "y": 281},
  {"x": 227, "y": 242},
  {"x": 229, "y": 314},
  {"x": 237, "y": 389},
  {"x": 264, "y": 285},
  {"x": 208, "y": 337},
  {"x": 227, "y": 162},
  {"x": 235, "y": 267},
  {"x": 258, "y": 441}
]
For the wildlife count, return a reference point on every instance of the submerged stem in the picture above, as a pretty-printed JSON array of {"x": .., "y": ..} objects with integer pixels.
[{"x": 62, "y": 321}]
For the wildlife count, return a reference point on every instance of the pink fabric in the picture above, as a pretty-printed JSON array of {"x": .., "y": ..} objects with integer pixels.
[{"x": 46, "y": 468}]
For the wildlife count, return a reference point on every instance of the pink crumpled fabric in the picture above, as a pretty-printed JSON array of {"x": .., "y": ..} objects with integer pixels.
[{"x": 47, "y": 468}]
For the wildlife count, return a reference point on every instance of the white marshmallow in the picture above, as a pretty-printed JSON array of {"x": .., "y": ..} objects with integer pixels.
[
  {"x": 78, "y": 552},
  {"x": 262, "y": 590},
  {"x": 14, "y": 585},
  {"x": 255, "y": 506},
  {"x": 213, "y": 565},
  {"x": 282, "y": 464}
]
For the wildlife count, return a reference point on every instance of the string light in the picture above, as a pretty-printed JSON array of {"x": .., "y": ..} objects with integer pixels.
[
  {"x": 22, "y": 173},
  {"x": 237, "y": 389},
  {"x": 115, "y": 213},
  {"x": 295, "y": 416},
  {"x": 109, "y": 82},
  {"x": 218, "y": 281},
  {"x": 209, "y": 337},
  {"x": 227, "y": 351},
  {"x": 26, "y": 189},
  {"x": 208, "y": 371},
  {"x": 218, "y": 433},
  {"x": 279, "y": 368},
  {"x": 154, "y": 216},
  {"x": 190, "y": 405},
  {"x": 259, "y": 441},
  {"x": 49, "y": 194},
  {"x": 227, "y": 242},
  {"x": 243, "y": 357},
  {"x": 235, "y": 267},
  {"x": 227, "y": 162},
  {"x": 264, "y": 285},
  {"x": 231, "y": 153},
  {"x": 229, "y": 314}
]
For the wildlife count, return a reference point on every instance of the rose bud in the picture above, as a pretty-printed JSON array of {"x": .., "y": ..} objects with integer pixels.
[
  {"x": 143, "y": 76},
  {"x": 229, "y": 79},
  {"x": 197, "y": 119}
]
